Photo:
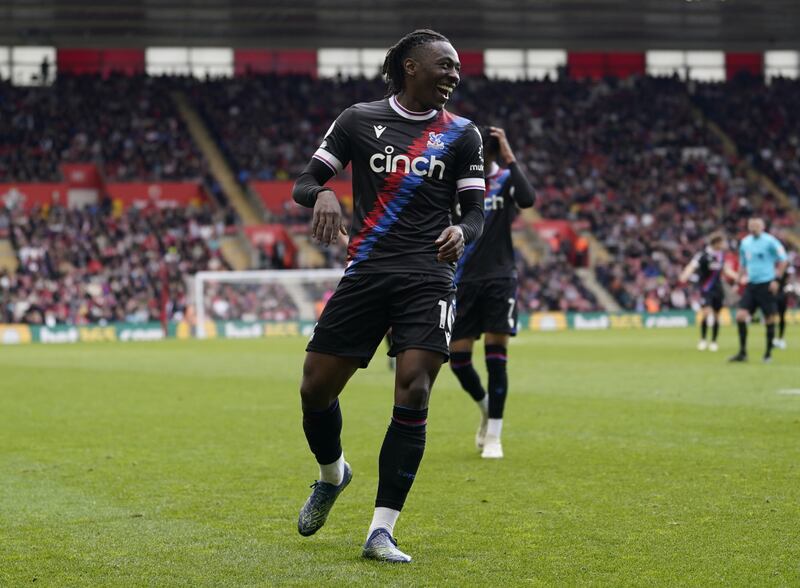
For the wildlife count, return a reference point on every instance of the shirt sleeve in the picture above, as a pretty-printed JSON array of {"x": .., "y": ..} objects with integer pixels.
[
  {"x": 779, "y": 249},
  {"x": 469, "y": 161},
  {"x": 520, "y": 188},
  {"x": 335, "y": 151},
  {"x": 742, "y": 255}
]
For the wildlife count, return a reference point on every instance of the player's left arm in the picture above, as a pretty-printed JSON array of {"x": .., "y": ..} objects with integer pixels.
[
  {"x": 470, "y": 185},
  {"x": 453, "y": 239},
  {"x": 521, "y": 190},
  {"x": 780, "y": 266}
]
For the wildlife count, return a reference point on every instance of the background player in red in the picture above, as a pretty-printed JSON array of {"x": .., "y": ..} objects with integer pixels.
[
  {"x": 487, "y": 290},
  {"x": 409, "y": 157}
]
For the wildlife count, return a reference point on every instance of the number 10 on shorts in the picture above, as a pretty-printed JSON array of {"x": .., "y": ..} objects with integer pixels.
[{"x": 446, "y": 318}]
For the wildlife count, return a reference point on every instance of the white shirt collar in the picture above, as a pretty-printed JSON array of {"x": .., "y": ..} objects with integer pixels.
[{"x": 410, "y": 114}]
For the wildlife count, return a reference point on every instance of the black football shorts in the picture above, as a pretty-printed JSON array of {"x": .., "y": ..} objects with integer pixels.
[
  {"x": 714, "y": 299},
  {"x": 759, "y": 296},
  {"x": 419, "y": 308},
  {"x": 487, "y": 306}
]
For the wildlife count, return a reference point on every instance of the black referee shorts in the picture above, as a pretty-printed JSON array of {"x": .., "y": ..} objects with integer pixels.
[
  {"x": 487, "y": 306},
  {"x": 759, "y": 296},
  {"x": 782, "y": 303},
  {"x": 418, "y": 307}
]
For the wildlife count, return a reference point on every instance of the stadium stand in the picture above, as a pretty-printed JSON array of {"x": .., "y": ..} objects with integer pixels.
[
  {"x": 128, "y": 125},
  {"x": 80, "y": 266},
  {"x": 763, "y": 121},
  {"x": 632, "y": 162}
]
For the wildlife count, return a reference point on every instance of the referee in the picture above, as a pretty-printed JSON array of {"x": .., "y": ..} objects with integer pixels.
[{"x": 762, "y": 261}]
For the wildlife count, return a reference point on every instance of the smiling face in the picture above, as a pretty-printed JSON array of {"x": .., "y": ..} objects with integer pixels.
[{"x": 432, "y": 74}]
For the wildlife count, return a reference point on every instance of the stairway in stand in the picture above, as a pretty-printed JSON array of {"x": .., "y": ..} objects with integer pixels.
[
  {"x": 8, "y": 257},
  {"x": 236, "y": 249}
]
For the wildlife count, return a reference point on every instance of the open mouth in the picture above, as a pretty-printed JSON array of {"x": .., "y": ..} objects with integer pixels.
[{"x": 445, "y": 90}]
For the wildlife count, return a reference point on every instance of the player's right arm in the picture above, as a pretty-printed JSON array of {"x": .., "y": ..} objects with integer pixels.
[
  {"x": 521, "y": 190},
  {"x": 309, "y": 189},
  {"x": 690, "y": 268}
]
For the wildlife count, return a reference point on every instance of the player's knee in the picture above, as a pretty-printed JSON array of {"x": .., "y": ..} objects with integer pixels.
[
  {"x": 413, "y": 393},
  {"x": 742, "y": 316},
  {"x": 313, "y": 389}
]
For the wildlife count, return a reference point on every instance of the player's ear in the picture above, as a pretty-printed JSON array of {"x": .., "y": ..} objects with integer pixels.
[{"x": 410, "y": 67}]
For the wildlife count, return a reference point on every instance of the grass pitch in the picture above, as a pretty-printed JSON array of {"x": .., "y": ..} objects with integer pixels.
[{"x": 631, "y": 459}]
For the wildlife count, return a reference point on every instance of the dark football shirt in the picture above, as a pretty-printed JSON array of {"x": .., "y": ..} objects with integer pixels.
[
  {"x": 407, "y": 168},
  {"x": 709, "y": 270},
  {"x": 492, "y": 256}
]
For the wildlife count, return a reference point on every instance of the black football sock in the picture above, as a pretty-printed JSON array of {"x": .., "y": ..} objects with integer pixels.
[
  {"x": 770, "y": 337},
  {"x": 461, "y": 364},
  {"x": 781, "y": 326},
  {"x": 703, "y": 329},
  {"x": 323, "y": 429},
  {"x": 715, "y": 331},
  {"x": 742, "y": 337},
  {"x": 496, "y": 360},
  {"x": 400, "y": 456}
]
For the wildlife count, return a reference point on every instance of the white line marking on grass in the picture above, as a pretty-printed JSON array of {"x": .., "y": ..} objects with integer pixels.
[{"x": 789, "y": 392}]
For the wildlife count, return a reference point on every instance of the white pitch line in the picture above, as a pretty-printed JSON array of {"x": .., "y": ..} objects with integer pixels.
[{"x": 789, "y": 392}]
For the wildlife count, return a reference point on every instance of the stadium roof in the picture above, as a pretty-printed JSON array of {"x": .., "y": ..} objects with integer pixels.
[{"x": 472, "y": 24}]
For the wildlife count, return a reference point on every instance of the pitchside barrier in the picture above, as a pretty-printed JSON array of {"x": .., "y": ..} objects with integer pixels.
[{"x": 538, "y": 321}]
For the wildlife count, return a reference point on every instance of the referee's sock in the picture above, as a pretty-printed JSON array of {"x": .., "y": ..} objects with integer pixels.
[
  {"x": 461, "y": 364},
  {"x": 496, "y": 360},
  {"x": 400, "y": 456},
  {"x": 742, "y": 336},
  {"x": 770, "y": 337},
  {"x": 323, "y": 430}
]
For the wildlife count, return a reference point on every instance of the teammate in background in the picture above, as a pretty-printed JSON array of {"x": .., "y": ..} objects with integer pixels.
[
  {"x": 486, "y": 301},
  {"x": 786, "y": 287},
  {"x": 409, "y": 156},
  {"x": 709, "y": 264},
  {"x": 762, "y": 262}
]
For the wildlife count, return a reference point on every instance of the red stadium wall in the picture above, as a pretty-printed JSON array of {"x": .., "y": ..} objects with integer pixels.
[
  {"x": 123, "y": 195},
  {"x": 161, "y": 195},
  {"x": 752, "y": 63},
  {"x": 471, "y": 63},
  {"x": 595, "y": 66},
  {"x": 275, "y": 194},
  {"x": 265, "y": 237},
  {"x": 28, "y": 196},
  {"x": 104, "y": 62}
]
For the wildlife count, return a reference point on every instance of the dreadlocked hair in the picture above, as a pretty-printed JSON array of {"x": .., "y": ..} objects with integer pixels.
[{"x": 392, "y": 71}]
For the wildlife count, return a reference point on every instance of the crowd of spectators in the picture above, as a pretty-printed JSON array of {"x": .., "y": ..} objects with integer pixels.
[
  {"x": 81, "y": 266},
  {"x": 764, "y": 122},
  {"x": 270, "y": 125},
  {"x": 127, "y": 125},
  {"x": 631, "y": 161},
  {"x": 553, "y": 286},
  {"x": 248, "y": 302},
  {"x": 628, "y": 160}
]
